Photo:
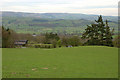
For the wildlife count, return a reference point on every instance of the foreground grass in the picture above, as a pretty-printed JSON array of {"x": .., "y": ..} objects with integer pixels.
[{"x": 78, "y": 62}]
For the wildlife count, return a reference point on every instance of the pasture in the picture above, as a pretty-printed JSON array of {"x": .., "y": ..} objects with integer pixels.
[{"x": 77, "y": 62}]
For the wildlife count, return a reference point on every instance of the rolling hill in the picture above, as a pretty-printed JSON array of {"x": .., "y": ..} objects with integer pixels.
[{"x": 51, "y": 22}]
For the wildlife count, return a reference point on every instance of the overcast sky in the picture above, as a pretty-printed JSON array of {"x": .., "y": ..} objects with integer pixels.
[{"x": 103, "y": 7}]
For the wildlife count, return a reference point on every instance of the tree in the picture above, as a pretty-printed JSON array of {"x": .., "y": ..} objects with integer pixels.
[
  {"x": 8, "y": 38},
  {"x": 0, "y": 36},
  {"x": 51, "y": 36},
  {"x": 71, "y": 41},
  {"x": 59, "y": 43},
  {"x": 116, "y": 41},
  {"x": 98, "y": 33},
  {"x": 74, "y": 41},
  {"x": 65, "y": 41},
  {"x": 108, "y": 36},
  {"x": 54, "y": 43}
]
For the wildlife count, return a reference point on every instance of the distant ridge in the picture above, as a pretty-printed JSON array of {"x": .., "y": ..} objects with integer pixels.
[{"x": 72, "y": 16}]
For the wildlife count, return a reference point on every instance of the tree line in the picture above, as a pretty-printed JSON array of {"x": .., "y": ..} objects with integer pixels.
[{"x": 98, "y": 33}]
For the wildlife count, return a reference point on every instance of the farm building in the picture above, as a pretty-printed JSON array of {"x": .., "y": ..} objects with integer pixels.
[{"x": 21, "y": 42}]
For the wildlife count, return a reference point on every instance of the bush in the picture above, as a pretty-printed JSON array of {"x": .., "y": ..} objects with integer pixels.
[
  {"x": 43, "y": 46},
  {"x": 116, "y": 42}
]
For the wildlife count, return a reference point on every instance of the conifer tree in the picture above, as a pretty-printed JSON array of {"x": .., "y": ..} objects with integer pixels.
[
  {"x": 108, "y": 35},
  {"x": 98, "y": 33}
]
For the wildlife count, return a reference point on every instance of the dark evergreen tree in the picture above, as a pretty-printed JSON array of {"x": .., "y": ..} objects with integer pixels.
[
  {"x": 108, "y": 36},
  {"x": 98, "y": 33}
]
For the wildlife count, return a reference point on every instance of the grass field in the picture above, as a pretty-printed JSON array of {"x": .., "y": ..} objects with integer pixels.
[{"x": 78, "y": 62}]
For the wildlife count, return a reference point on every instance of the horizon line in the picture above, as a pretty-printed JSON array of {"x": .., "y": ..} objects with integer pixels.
[{"x": 56, "y": 13}]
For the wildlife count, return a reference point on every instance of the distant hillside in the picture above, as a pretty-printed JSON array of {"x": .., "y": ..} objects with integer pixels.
[
  {"x": 51, "y": 22},
  {"x": 58, "y": 16}
]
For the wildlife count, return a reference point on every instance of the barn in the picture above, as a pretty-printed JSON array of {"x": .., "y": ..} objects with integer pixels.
[{"x": 21, "y": 42}]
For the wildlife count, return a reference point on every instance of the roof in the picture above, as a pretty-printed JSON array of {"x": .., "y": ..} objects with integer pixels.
[{"x": 21, "y": 42}]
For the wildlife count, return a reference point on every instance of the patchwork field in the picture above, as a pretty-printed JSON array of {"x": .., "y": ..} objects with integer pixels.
[{"x": 78, "y": 62}]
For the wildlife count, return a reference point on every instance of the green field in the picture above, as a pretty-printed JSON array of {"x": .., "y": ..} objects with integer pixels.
[{"x": 78, "y": 62}]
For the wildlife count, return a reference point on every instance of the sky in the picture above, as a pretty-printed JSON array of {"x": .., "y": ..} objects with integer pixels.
[{"x": 99, "y": 7}]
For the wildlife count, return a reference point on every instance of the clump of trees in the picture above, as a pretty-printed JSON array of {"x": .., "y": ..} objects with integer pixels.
[
  {"x": 8, "y": 38},
  {"x": 51, "y": 38},
  {"x": 57, "y": 41},
  {"x": 71, "y": 41},
  {"x": 98, "y": 33}
]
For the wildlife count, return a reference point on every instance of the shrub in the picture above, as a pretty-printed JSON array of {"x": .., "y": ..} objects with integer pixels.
[
  {"x": 116, "y": 42},
  {"x": 43, "y": 46}
]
